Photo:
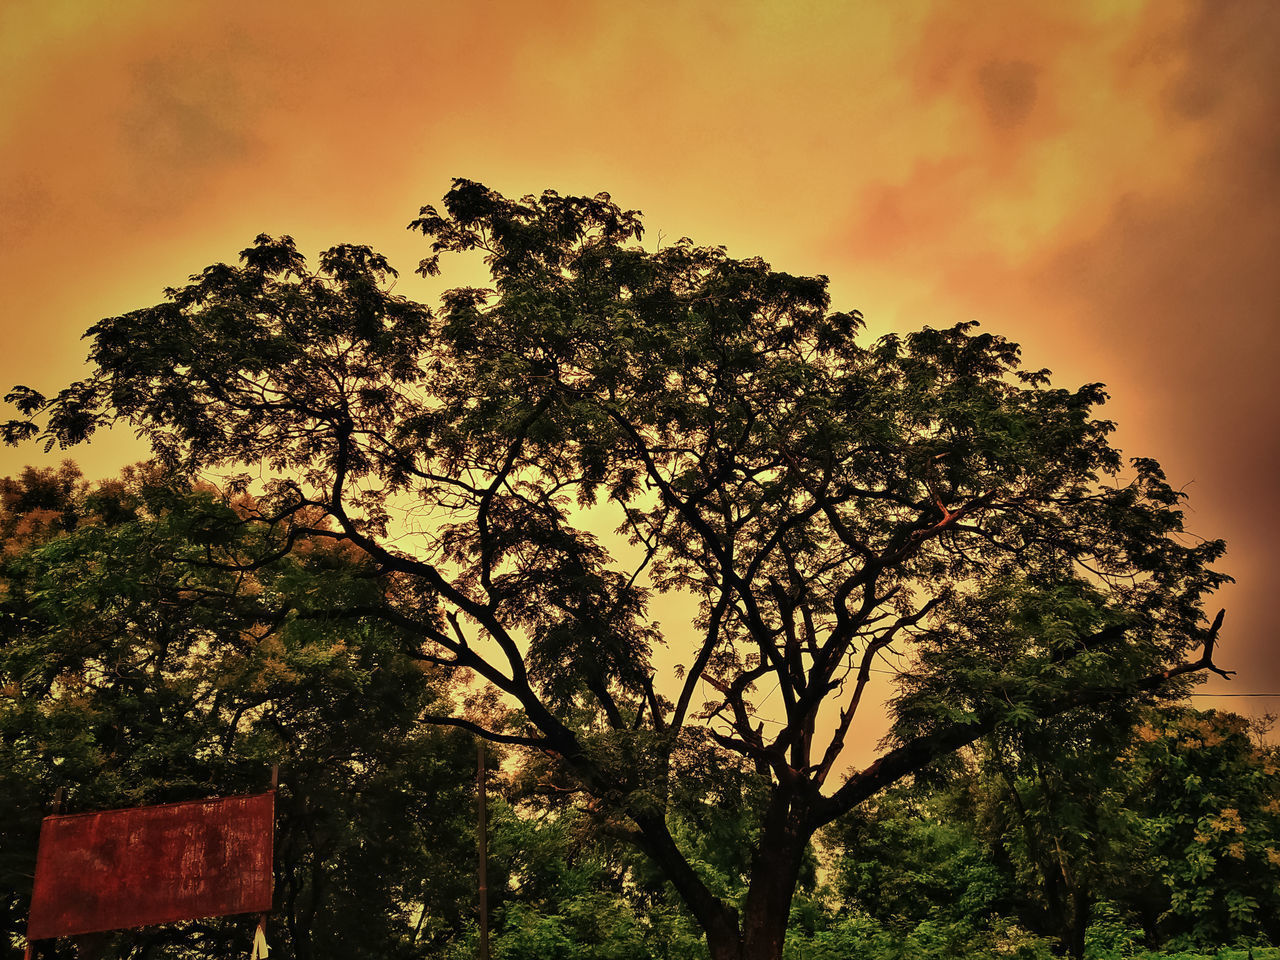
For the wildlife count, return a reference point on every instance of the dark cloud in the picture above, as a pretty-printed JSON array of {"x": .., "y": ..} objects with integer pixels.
[
  {"x": 1141, "y": 175},
  {"x": 1181, "y": 282},
  {"x": 187, "y": 115},
  {"x": 998, "y": 63},
  {"x": 1008, "y": 89},
  {"x": 1226, "y": 45}
]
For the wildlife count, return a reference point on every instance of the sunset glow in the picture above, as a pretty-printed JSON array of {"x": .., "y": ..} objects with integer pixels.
[{"x": 1097, "y": 181}]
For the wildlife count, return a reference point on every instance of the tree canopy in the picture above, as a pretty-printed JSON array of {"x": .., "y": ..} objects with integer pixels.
[{"x": 824, "y": 500}]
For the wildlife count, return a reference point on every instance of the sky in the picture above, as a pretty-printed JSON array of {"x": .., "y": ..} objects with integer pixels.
[{"x": 1097, "y": 181}]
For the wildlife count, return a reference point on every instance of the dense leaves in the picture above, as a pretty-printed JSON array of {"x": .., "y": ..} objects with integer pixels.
[
  {"x": 1150, "y": 833},
  {"x": 139, "y": 665},
  {"x": 1211, "y": 817}
]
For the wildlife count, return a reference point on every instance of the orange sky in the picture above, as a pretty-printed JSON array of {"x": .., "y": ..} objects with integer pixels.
[{"x": 1098, "y": 182}]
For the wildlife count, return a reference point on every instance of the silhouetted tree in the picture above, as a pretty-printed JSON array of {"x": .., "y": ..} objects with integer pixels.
[{"x": 824, "y": 499}]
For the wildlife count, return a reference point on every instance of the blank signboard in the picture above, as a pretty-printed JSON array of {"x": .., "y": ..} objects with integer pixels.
[{"x": 143, "y": 865}]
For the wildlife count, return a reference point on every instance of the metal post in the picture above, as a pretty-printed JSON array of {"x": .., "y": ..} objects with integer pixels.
[
  {"x": 262, "y": 918},
  {"x": 481, "y": 846}
]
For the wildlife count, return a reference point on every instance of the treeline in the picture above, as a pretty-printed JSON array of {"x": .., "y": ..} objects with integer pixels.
[
  {"x": 1161, "y": 832},
  {"x": 154, "y": 647}
]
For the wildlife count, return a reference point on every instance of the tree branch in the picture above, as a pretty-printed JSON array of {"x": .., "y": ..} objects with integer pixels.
[
  {"x": 486, "y": 734},
  {"x": 918, "y": 753}
]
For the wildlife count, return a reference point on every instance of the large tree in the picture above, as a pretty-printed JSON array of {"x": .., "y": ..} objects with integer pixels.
[{"x": 824, "y": 500}]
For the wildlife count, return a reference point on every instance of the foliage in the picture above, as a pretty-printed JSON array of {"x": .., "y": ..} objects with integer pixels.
[
  {"x": 1163, "y": 825},
  {"x": 137, "y": 670},
  {"x": 567, "y": 894},
  {"x": 824, "y": 500},
  {"x": 1047, "y": 799},
  {"x": 862, "y": 937},
  {"x": 1053, "y": 807},
  {"x": 907, "y": 858},
  {"x": 1109, "y": 937},
  {"x": 1211, "y": 813}
]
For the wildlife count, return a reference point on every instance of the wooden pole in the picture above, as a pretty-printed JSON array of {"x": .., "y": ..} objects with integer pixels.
[{"x": 482, "y": 850}]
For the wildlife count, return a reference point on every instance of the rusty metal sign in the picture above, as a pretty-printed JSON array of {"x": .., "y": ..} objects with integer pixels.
[{"x": 145, "y": 865}]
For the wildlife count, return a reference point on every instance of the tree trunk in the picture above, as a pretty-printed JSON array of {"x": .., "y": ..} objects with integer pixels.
[
  {"x": 724, "y": 943},
  {"x": 1081, "y": 909},
  {"x": 775, "y": 869},
  {"x": 768, "y": 908}
]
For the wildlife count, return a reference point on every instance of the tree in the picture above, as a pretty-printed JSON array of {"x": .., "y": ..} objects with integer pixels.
[
  {"x": 1209, "y": 805},
  {"x": 1052, "y": 807},
  {"x": 1162, "y": 829},
  {"x": 824, "y": 500},
  {"x": 1049, "y": 799},
  {"x": 912, "y": 856},
  {"x": 134, "y": 670}
]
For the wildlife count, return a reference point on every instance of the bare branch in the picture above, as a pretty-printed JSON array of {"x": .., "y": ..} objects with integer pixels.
[{"x": 490, "y": 735}]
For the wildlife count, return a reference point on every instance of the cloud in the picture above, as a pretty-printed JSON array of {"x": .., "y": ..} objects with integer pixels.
[
  {"x": 1181, "y": 282},
  {"x": 1097, "y": 179},
  {"x": 1110, "y": 200},
  {"x": 1008, "y": 89}
]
